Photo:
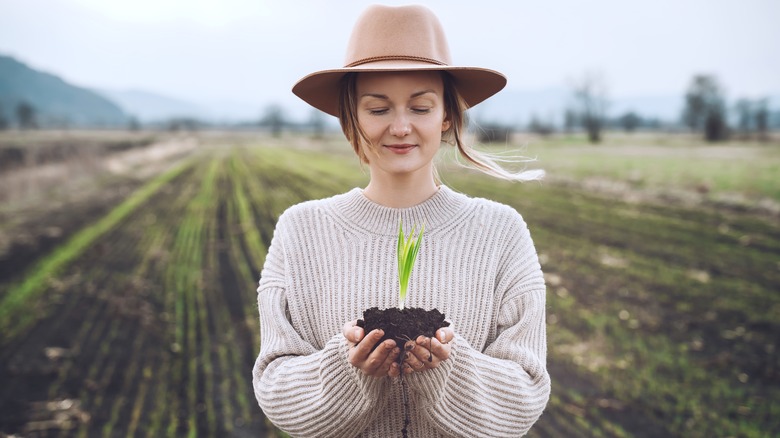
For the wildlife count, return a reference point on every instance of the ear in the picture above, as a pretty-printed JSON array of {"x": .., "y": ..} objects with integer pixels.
[{"x": 446, "y": 123}]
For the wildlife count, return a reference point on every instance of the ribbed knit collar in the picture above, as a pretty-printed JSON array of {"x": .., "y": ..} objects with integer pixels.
[{"x": 438, "y": 210}]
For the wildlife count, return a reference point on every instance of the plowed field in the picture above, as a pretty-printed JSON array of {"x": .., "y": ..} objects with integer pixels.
[{"x": 142, "y": 320}]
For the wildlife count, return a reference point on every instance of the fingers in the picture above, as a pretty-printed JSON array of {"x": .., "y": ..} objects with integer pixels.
[
  {"x": 415, "y": 356},
  {"x": 445, "y": 335},
  {"x": 361, "y": 351},
  {"x": 439, "y": 351},
  {"x": 419, "y": 355},
  {"x": 390, "y": 358},
  {"x": 373, "y": 362},
  {"x": 352, "y": 332},
  {"x": 380, "y": 361},
  {"x": 395, "y": 368},
  {"x": 412, "y": 363},
  {"x": 427, "y": 353}
]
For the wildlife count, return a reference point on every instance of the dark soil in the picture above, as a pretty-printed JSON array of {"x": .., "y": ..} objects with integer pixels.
[
  {"x": 403, "y": 325},
  {"x": 100, "y": 361}
]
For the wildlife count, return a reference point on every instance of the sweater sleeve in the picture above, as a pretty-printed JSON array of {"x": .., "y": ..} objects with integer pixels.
[
  {"x": 305, "y": 391},
  {"x": 502, "y": 390}
]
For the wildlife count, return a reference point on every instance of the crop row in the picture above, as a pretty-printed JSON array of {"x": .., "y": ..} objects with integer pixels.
[
  {"x": 667, "y": 313},
  {"x": 152, "y": 337},
  {"x": 661, "y": 318}
]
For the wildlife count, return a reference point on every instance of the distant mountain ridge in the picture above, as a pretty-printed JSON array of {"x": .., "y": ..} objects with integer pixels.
[
  {"x": 149, "y": 106},
  {"x": 55, "y": 102}
]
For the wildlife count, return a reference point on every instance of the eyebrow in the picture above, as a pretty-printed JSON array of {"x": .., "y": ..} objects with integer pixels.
[{"x": 382, "y": 96}]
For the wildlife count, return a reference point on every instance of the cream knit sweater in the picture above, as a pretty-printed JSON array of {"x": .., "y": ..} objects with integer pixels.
[{"x": 331, "y": 259}]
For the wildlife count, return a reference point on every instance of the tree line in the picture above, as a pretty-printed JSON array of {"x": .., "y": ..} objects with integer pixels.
[
  {"x": 705, "y": 111},
  {"x": 24, "y": 114}
]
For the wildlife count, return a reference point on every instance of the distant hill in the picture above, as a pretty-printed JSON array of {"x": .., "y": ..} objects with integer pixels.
[
  {"x": 149, "y": 106},
  {"x": 55, "y": 102}
]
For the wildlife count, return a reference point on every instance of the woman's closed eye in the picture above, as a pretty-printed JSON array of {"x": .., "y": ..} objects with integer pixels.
[
  {"x": 377, "y": 111},
  {"x": 421, "y": 110}
]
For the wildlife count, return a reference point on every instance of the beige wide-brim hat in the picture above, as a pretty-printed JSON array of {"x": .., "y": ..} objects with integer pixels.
[{"x": 401, "y": 38}]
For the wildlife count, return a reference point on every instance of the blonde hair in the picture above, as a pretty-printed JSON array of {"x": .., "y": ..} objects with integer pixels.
[{"x": 455, "y": 109}]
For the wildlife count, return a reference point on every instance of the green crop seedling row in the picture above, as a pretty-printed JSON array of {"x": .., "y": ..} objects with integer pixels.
[
  {"x": 662, "y": 316},
  {"x": 13, "y": 315}
]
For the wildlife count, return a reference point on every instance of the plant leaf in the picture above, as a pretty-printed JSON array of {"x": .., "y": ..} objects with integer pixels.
[{"x": 407, "y": 249}]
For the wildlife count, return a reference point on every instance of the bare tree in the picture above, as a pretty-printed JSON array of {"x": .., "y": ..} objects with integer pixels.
[
  {"x": 705, "y": 108},
  {"x": 133, "y": 124},
  {"x": 317, "y": 124},
  {"x": 4, "y": 123},
  {"x": 569, "y": 120},
  {"x": 744, "y": 110},
  {"x": 537, "y": 126},
  {"x": 590, "y": 97},
  {"x": 25, "y": 115},
  {"x": 630, "y": 121},
  {"x": 274, "y": 119},
  {"x": 752, "y": 117},
  {"x": 715, "y": 128},
  {"x": 761, "y": 118}
]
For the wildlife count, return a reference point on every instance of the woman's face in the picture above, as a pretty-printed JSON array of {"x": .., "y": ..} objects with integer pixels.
[{"x": 402, "y": 114}]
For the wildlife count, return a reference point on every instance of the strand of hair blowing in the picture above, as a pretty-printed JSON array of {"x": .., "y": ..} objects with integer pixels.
[{"x": 482, "y": 161}]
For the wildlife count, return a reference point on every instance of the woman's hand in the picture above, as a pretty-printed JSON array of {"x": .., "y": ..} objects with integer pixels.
[
  {"x": 378, "y": 363},
  {"x": 428, "y": 353}
]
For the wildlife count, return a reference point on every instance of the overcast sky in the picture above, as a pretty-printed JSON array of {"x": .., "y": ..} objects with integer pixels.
[{"x": 252, "y": 51}]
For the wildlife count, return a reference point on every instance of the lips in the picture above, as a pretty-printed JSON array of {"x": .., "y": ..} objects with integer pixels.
[{"x": 400, "y": 148}]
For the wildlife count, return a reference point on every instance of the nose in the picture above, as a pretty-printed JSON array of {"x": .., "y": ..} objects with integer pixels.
[{"x": 400, "y": 126}]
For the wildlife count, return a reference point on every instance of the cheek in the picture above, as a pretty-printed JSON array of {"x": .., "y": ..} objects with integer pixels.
[
  {"x": 435, "y": 128},
  {"x": 370, "y": 127}
]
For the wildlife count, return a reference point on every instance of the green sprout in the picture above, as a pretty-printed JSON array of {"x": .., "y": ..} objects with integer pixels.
[{"x": 407, "y": 253}]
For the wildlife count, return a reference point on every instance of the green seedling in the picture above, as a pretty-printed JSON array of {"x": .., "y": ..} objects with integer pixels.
[{"x": 407, "y": 253}]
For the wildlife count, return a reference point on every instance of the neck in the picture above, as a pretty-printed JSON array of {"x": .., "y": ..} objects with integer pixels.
[{"x": 400, "y": 192}]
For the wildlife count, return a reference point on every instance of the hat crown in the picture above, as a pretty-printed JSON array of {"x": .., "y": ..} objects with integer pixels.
[
  {"x": 397, "y": 33},
  {"x": 397, "y": 39}
]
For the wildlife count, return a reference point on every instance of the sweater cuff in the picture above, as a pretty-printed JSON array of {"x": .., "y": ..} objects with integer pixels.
[
  {"x": 370, "y": 387},
  {"x": 429, "y": 385}
]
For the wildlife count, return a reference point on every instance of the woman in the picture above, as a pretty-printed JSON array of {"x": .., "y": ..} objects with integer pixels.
[{"x": 318, "y": 374}]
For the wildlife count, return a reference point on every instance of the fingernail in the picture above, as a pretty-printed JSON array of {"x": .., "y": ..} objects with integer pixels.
[
  {"x": 357, "y": 333},
  {"x": 441, "y": 336}
]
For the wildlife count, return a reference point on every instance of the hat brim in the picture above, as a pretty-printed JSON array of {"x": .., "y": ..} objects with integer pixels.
[{"x": 321, "y": 89}]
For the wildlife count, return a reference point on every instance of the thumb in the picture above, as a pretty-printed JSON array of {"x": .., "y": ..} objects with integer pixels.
[{"x": 352, "y": 332}]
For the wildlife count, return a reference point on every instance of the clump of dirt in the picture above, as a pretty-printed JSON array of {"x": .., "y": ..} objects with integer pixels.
[{"x": 403, "y": 325}]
